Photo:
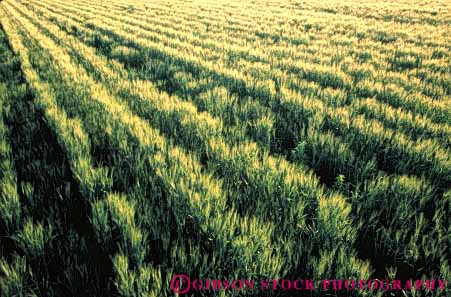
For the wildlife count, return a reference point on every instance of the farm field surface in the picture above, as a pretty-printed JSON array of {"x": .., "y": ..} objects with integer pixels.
[{"x": 226, "y": 140}]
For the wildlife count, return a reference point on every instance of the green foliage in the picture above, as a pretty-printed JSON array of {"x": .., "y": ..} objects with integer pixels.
[
  {"x": 13, "y": 278},
  {"x": 33, "y": 239},
  {"x": 317, "y": 148}
]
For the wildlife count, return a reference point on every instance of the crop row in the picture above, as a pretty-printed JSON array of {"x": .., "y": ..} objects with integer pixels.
[
  {"x": 11, "y": 215},
  {"x": 94, "y": 183}
]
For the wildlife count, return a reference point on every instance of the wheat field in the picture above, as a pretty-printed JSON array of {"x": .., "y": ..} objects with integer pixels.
[{"x": 223, "y": 139}]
